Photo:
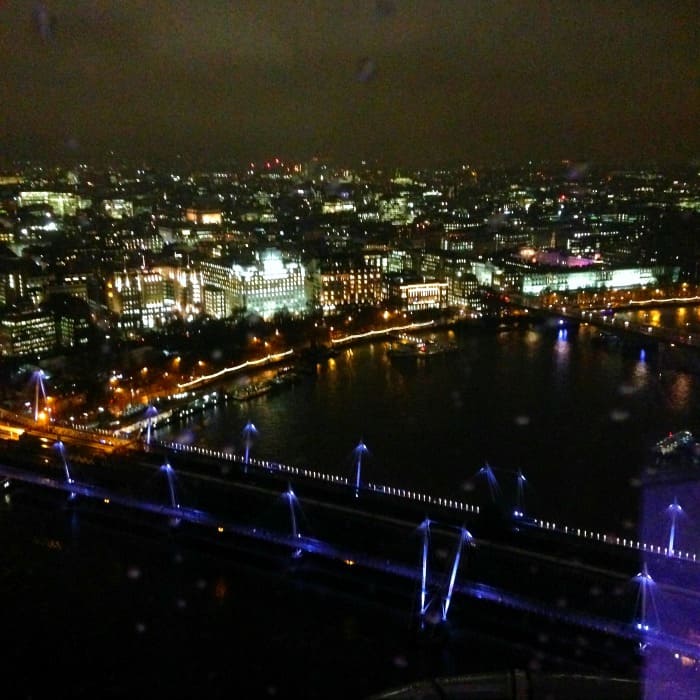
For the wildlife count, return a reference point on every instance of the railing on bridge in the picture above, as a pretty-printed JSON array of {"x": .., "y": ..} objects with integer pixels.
[
  {"x": 441, "y": 590},
  {"x": 313, "y": 474},
  {"x": 439, "y": 501},
  {"x": 628, "y": 543}
]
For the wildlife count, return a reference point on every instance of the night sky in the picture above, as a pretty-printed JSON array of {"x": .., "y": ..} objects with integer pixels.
[{"x": 406, "y": 82}]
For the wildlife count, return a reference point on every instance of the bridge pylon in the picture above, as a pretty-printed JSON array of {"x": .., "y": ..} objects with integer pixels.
[
  {"x": 646, "y": 614},
  {"x": 465, "y": 539}
]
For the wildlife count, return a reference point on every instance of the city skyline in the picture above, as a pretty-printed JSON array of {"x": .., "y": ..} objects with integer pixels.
[{"x": 407, "y": 83}]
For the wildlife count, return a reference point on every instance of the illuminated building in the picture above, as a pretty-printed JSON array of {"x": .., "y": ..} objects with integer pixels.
[
  {"x": 338, "y": 206},
  {"x": 397, "y": 210},
  {"x": 188, "y": 235},
  {"x": 536, "y": 282},
  {"x": 222, "y": 289},
  {"x": 185, "y": 283},
  {"x": 71, "y": 331},
  {"x": 214, "y": 301},
  {"x": 400, "y": 260},
  {"x": 117, "y": 208},
  {"x": 512, "y": 237},
  {"x": 457, "y": 241},
  {"x": 431, "y": 264},
  {"x": 273, "y": 285},
  {"x": 455, "y": 268},
  {"x": 411, "y": 293},
  {"x": 140, "y": 299},
  {"x": 61, "y": 203},
  {"x": 376, "y": 257},
  {"x": 269, "y": 285},
  {"x": 73, "y": 285},
  {"x": 206, "y": 216},
  {"x": 143, "y": 238},
  {"x": 21, "y": 279},
  {"x": 348, "y": 282},
  {"x": 27, "y": 333},
  {"x": 487, "y": 274},
  {"x": 463, "y": 290}
]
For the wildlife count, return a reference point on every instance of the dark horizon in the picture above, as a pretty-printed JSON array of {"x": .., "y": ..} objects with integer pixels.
[
  {"x": 574, "y": 170},
  {"x": 409, "y": 83}
]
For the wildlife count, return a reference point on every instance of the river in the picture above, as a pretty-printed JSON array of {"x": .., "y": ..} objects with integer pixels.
[
  {"x": 102, "y": 607},
  {"x": 576, "y": 417}
]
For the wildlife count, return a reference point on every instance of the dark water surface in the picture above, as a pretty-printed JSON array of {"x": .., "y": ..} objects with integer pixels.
[
  {"x": 577, "y": 417},
  {"x": 98, "y": 606}
]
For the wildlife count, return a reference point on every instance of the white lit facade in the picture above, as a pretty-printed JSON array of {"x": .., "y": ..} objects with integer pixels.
[
  {"x": 408, "y": 294},
  {"x": 118, "y": 208},
  {"x": 594, "y": 278},
  {"x": 269, "y": 285},
  {"x": 273, "y": 285},
  {"x": 186, "y": 285},
  {"x": 62, "y": 203}
]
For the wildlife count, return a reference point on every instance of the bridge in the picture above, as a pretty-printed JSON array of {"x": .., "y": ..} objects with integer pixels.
[
  {"x": 442, "y": 556},
  {"x": 13, "y": 426},
  {"x": 604, "y": 318}
]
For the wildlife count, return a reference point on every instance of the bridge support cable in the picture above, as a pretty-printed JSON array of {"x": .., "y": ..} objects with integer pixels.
[
  {"x": 425, "y": 527},
  {"x": 464, "y": 537},
  {"x": 644, "y": 629}
]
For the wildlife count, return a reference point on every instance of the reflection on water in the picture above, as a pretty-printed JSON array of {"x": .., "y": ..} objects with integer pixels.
[
  {"x": 685, "y": 318},
  {"x": 679, "y": 389},
  {"x": 561, "y": 347},
  {"x": 639, "y": 379},
  {"x": 576, "y": 417}
]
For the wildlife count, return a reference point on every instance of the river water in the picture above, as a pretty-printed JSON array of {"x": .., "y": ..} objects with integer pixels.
[
  {"x": 577, "y": 417},
  {"x": 96, "y": 606}
]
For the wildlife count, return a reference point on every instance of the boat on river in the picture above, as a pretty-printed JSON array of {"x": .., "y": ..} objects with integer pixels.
[
  {"x": 407, "y": 346},
  {"x": 675, "y": 442},
  {"x": 675, "y": 458},
  {"x": 244, "y": 392},
  {"x": 283, "y": 377}
]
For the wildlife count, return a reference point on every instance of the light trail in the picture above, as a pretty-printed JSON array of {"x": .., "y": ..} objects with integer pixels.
[
  {"x": 672, "y": 300},
  {"x": 382, "y": 331},
  {"x": 237, "y": 368}
]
